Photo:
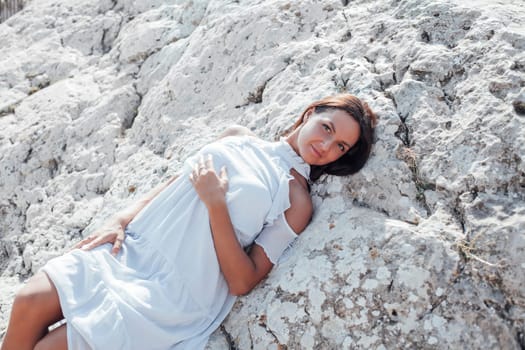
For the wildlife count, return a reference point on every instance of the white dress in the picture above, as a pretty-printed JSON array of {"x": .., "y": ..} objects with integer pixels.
[{"x": 165, "y": 290}]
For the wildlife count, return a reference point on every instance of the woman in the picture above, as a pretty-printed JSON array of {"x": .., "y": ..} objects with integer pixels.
[{"x": 184, "y": 260}]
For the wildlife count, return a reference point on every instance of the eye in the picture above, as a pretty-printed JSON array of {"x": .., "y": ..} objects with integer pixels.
[
  {"x": 341, "y": 147},
  {"x": 327, "y": 128}
]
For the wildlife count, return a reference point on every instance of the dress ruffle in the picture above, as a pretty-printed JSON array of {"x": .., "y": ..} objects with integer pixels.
[
  {"x": 292, "y": 159},
  {"x": 165, "y": 284},
  {"x": 285, "y": 157}
]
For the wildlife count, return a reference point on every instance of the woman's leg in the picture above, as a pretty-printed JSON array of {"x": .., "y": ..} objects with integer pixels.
[
  {"x": 35, "y": 308},
  {"x": 54, "y": 340}
]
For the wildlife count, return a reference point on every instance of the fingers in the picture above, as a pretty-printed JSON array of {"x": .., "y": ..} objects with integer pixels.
[
  {"x": 204, "y": 177},
  {"x": 194, "y": 173},
  {"x": 224, "y": 178},
  {"x": 117, "y": 245},
  {"x": 209, "y": 162},
  {"x": 203, "y": 165},
  {"x": 84, "y": 242},
  {"x": 96, "y": 242},
  {"x": 224, "y": 175}
]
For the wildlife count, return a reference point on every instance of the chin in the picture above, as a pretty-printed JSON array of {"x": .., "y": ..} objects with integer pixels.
[
  {"x": 310, "y": 161},
  {"x": 309, "y": 158},
  {"x": 315, "y": 162}
]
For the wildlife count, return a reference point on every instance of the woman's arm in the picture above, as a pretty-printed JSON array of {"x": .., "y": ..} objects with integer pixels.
[
  {"x": 113, "y": 230},
  {"x": 126, "y": 215},
  {"x": 242, "y": 271}
]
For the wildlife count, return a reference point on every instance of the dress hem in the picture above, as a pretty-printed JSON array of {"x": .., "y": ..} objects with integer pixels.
[{"x": 71, "y": 330}]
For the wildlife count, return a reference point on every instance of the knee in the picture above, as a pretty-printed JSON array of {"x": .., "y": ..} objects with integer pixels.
[
  {"x": 24, "y": 302},
  {"x": 28, "y": 300}
]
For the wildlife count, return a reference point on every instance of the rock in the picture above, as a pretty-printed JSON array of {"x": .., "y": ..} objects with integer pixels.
[
  {"x": 519, "y": 103},
  {"x": 424, "y": 248}
]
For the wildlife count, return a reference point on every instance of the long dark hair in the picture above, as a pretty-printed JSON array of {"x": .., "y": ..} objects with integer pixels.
[{"x": 355, "y": 158}]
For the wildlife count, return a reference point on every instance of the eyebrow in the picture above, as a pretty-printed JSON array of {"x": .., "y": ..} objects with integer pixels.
[{"x": 333, "y": 128}]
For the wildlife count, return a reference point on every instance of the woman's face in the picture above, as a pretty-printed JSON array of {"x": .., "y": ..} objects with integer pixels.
[{"x": 326, "y": 136}]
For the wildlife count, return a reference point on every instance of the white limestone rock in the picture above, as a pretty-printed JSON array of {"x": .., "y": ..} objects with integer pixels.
[
  {"x": 148, "y": 32},
  {"x": 102, "y": 100}
]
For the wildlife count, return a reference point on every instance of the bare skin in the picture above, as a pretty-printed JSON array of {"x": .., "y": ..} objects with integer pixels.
[
  {"x": 54, "y": 340},
  {"x": 242, "y": 271},
  {"x": 37, "y": 306},
  {"x": 321, "y": 139}
]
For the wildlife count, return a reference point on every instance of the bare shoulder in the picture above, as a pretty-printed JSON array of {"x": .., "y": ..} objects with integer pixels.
[
  {"x": 301, "y": 208},
  {"x": 236, "y": 130}
]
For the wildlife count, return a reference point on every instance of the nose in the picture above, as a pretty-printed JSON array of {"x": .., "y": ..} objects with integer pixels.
[{"x": 324, "y": 145}]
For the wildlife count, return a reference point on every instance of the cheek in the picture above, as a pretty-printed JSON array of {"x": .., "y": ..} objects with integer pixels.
[
  {"x": 305, "y": 135},
  {"x": 335, "y": 155}
]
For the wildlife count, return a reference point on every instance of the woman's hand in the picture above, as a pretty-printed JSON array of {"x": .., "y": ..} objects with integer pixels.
[
  {"x": 111, "y": 232},
  {"x": 210, "y": 186}
]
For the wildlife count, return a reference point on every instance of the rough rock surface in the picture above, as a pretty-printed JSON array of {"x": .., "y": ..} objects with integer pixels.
[{"x": 425, "y": 248}]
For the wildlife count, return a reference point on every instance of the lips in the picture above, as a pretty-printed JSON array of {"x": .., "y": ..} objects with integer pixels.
[{"x": 316, "y": 152}]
